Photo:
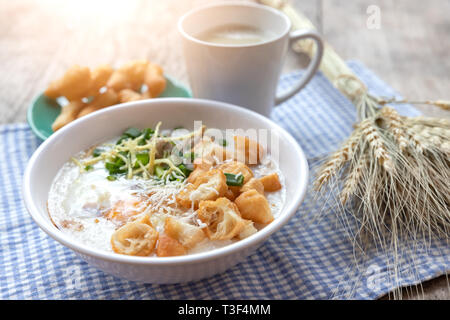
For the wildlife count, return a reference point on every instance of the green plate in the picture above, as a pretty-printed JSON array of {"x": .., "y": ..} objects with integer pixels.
[{"x": 43, "y": 111}]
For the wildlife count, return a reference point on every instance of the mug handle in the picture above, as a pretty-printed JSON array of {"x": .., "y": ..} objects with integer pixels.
[{"x": 312, "y": 67}]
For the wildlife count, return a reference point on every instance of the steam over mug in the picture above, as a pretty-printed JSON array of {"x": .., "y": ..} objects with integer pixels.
[{"x": 245, "y": 74}]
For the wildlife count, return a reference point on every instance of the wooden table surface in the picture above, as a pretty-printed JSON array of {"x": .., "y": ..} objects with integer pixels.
[{"x": 40, "y": 39}]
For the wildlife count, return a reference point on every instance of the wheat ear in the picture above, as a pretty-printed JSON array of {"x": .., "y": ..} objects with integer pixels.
[
  {"x": 376, "y": 143},
  {"x": 354, "y": 178},
  {"x": 396, "y": 125},
  {"x": 338, "y": 159}
]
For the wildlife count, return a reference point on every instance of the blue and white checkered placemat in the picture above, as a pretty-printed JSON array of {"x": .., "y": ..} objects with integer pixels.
[{"x": 301, "y": 261}]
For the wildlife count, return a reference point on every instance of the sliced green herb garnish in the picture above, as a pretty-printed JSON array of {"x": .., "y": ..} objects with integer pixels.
[
  {"x": 110, "y": 166},
  {"x": 132, "y": 132},
  {"x": 159, "y": 171},
  {"x": 88, "y": 167},
  {"x": 97, "y": 152},
  {"x": 143, "y": 158},
  {"x": 111, "y": 178},
  {"x": 114, "y": 168},
  {"x": 224, "y": 142},
  {"x": 186, "y": 171},
  {"x": 148, "y": 133},
  {"x": 118, "y": 161},
  {"x": 122, "y": 138},
  {"x": 189, "y": 155},
  {"x": 236, "y": 180}
]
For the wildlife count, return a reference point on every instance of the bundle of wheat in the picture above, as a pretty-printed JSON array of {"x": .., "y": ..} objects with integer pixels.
[{"x": 393, "y": 172}]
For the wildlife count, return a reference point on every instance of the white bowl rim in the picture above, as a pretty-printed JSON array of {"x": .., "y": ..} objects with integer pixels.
[{"x": 261, "y": 235}]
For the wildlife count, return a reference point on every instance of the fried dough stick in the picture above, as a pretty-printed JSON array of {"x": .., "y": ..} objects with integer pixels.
[{"x": 68, "y": 113}]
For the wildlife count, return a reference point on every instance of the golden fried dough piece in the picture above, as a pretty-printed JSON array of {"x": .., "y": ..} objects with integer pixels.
[
  {"x": 187, "y": 234},
  {"x": 68, "y": 113},
  {"x": 195, "y": 174},
  {"x": 236, "y": 190},
  {"x": 230, "y": 195},
  {"x": 169, "y": 247},
  {"x": 74, "y": 85},
  {"x": 222, "y": 218},
  {"x": 254, "y": 206},
  {"x": 203, "y": 164},
  {"x": 100, "y": 76},
  {"x": 128, "y": 95},
  {"x": 137, "y": 238},
  {"x": 208, "y": 153},
  {"x": 247, "y": 150},
  {"x": 183, "y": 197},
  {"x": 271, "y": 182},
  {"x": 209, "y": 185},
  {"x": 106, "y": 99},
  {"x": 236, "y": 167},
  {"x": 247, "y": 230},
  {"x": 154, "y": 79},
  {"x": 129, "y": 76},
  {"x": 211, "y": 179},
  {"x": 145, "y": 95},
  {"x": 253, "y": 184}
]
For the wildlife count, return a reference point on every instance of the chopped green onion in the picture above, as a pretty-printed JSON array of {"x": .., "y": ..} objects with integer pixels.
[
  {"x": 110, "y": 166},
  {"x": 159, "y": 171},
  {"x": 132, "y": 132},
  {"x": 148, "y": 132},
  {"x": 122, "y": 138},
  {"x": 97, "y": 152},
  {"x": 118, "y": 161},
  {"x": 224, "y": 142},
  {"x": 236, "y": 180},
  {"x": 135, "y": 154},
  {"x": 114, "y": 168},
  {"x": 142, "y": 158},
  {"x": 190, "y": 155},
  {"x": 186, "y": 171}
]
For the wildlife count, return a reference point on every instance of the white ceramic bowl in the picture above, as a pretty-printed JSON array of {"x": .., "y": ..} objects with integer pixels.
[{"x": 110, "y": 122}]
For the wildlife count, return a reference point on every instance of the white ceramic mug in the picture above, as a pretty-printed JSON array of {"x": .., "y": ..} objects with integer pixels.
[{"x": 245, "y": 75}]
